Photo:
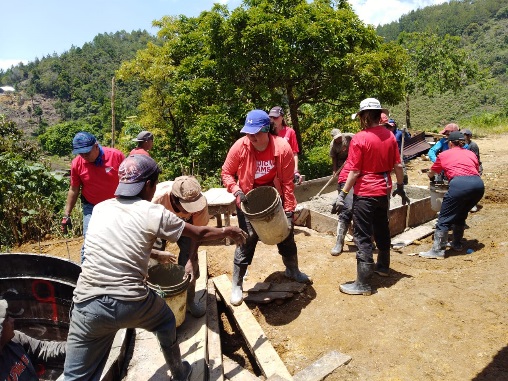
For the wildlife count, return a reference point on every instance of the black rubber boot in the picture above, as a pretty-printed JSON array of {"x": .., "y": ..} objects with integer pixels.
[
  {"x": 237, "y": 284},
  {"x": 196, "y": 309},
  {"x": 361, "y": 286},
  {"x": 438, "y": 247},
  {"x": 458, "y": 234},
  {"x": 180, "y": 370},
  {"x": 383, "y": 263},
  {"x": 341, "y": 234},
  {"x": 292, "y": 271}
]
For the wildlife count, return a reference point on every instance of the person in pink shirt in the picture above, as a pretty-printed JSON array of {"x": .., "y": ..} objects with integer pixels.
[
  {"x": 373, "y": 154},
  {"x": 465, "y": 190},
  {"x": 260, "y": 159},
  {"x": 94, "y": 176},
  {"x": 145, "y": 143},
  {"x": 281, "y": 128}
]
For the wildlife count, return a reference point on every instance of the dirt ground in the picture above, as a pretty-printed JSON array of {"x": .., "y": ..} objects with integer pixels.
[{"x": 430, "y": 320}]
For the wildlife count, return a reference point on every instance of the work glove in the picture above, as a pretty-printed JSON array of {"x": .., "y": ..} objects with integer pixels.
[
  {"x": 432, "y": 180},
  {"x": 289, "y": 216},
  {"x": 402, "y": 193},
  {"x": 66, "y": 224},
  {"x": 338, "y": 205},
  {"x": 297, "y": 178},
  {"x": 240, "y": 197}
]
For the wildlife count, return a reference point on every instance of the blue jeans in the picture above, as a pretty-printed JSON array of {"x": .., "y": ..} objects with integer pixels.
[
  {"x": 95, "y": 322},
  {"x": 464, "y": 192},
  {"x": 370, "y": 216},
  {"x": 87, "y": 214},
  {"x": 346, "y": 214}
]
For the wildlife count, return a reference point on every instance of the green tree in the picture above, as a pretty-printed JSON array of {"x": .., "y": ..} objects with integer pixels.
[
  {"x": 57, "y": 139},
  {"x": 436, "y": 65},
  {"x": 211, "y": 70}
]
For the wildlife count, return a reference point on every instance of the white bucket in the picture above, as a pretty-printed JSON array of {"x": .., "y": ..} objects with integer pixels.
[
  {"x": 266, "y": 214},
  {"x": 169, "y": 283},
  {"x": 437, "y": 193}
]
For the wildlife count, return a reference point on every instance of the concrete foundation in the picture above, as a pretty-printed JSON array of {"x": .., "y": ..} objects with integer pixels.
[{"x": 401, "y": 216}]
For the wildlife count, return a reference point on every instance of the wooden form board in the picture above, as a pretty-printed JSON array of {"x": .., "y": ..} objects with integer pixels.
[
  {"x": 267, "y": 358},
  {"x": 321, "y": 368},
  {"x": 214, "y": 349}
]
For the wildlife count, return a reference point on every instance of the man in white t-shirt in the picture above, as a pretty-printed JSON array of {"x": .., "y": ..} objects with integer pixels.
[{"x": 111, "y": 292}]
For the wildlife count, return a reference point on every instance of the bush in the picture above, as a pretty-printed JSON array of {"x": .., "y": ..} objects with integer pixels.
[
  {"x": 57, "y": 139},
  {"x": 30, "y": 196},
  {"x": 316, "y": 163}
]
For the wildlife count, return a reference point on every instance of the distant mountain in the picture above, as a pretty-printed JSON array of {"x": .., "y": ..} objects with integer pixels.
[
  {"x": 482, "y": 26},
  {"x": 75, "y": 85}
]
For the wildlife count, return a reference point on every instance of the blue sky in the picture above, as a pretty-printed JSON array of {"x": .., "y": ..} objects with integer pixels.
[{"x": 36, "y": 28}]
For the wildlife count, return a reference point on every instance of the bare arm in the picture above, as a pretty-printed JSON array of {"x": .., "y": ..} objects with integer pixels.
[
  {"x": 399, "y": 173},
  {"x": 163, "y": 256},
  {"x": 295, "y": 155},
  {"x": 351, "y": 180},
  {"x": 72, "y": 197}
]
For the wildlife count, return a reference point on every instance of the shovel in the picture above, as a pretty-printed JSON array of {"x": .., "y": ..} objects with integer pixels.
[{"x": 334, "y": 175}]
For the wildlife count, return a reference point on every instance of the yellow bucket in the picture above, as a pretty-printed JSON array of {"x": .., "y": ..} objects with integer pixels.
[{"x": 169, "y": 283}]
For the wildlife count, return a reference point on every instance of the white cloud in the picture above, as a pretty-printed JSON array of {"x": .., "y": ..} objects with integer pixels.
[
  {"x": 6, "y": 64},
  {"x": 378, "y": 12}
]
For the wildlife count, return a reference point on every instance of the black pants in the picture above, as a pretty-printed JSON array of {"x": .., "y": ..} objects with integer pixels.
[
  {"x": 245, "y": 253},
  {"x": 370, "y": 216}
]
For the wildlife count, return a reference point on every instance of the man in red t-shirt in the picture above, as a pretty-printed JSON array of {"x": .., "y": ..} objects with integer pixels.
[
  {"x": 373, "y": 154},
  {"x": 94, "y": 174},
  {"x": 145, "y": 143},
  {"x": 281, "y": 128}
]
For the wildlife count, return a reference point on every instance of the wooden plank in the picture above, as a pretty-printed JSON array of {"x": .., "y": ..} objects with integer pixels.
[
  {"x": 267, "y": 358},
  {"x": 277, "y": 287},
  {"x": 407, "y": 238},
  {"x": 214, "y": 350},
  {"x": 234, "y": 372},
  {"x": 192, "y": 333},
  {"x": 321, "y": 368},
  {"x": 293, "y": 287},
  {"x": 267, "y": 297},
  {"x": 256, "y": 287}
]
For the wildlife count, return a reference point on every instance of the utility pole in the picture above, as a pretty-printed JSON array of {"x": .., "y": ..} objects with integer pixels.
[{"x": 113, "y": 112}]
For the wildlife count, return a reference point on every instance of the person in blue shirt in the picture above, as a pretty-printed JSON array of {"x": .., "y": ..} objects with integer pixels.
[
  {"x": 442, "y": 144},
  {"x": 392, "y": 126}
]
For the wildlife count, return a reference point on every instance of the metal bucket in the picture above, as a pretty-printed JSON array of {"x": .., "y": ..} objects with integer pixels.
[
  {"x": 437, "y": 192},
  {"x": 169, "y": 283},
  {"x": 266, "y": 214}
]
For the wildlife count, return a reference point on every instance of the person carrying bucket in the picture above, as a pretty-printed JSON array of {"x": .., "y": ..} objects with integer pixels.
[
  {"x": 112, "y": 287},
  {"x": 183, "y": 197},
  {"x": 261, "y": 159},
  {"x": 465, "y": 190}
]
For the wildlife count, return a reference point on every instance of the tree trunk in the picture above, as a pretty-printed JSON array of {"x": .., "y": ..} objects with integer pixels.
[
  {"x": 293, "y": 112},
  {"x": 408, "y": 113}
]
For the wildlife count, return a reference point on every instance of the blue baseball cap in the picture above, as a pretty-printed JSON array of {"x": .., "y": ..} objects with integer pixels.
[
  {"x": 83, "y": 142},
  {"x": 256, "y": 120}
]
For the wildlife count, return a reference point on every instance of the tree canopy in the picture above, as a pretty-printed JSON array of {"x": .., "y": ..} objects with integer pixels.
[{"x": 212, "y": 69}]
